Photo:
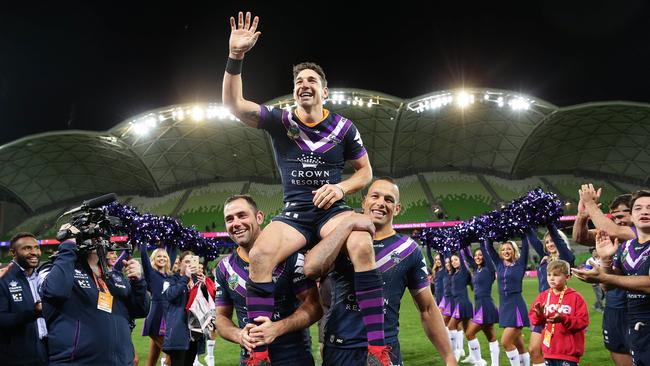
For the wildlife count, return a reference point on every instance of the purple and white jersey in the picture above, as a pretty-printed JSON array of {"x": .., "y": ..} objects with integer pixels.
[
  {"x": 401, "y": 264},
  {"x": 633, "y": 259},
  {"x": 289, "y": 279},
  {"x": 309, "y": 157}
]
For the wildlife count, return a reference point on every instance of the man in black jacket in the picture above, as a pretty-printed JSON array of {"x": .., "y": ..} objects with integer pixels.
[{"x": 22, "y": 328}]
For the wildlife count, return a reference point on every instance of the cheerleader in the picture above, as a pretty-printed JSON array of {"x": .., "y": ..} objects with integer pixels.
[
  {"x": 157, "y": 276},
  {"x": 513, "y": 312},
  {"x": 485, "y": 311},
  {"x": 438, "y": 276},
  {"x": 556, "y": 246},
  {"x": 462, "y": 310}
]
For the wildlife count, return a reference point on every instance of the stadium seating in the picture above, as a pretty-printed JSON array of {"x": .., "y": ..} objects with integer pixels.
[
  {"x": 508, "y": 190},
  {"x": 460, "y": 195},
  {"x": 415, "y": 206},
  {"x": 204, "y": 206},
  {"x": 268, "y": 198},
  {"x": 157, "y": 205},
  {"x": 39, "y": 224}
]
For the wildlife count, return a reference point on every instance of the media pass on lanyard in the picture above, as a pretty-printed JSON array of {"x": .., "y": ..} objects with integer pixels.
[
  {"x": 105, "y": 299},
  {"x": 547, "y": 338},
  {"x": 547, "y": 335}
]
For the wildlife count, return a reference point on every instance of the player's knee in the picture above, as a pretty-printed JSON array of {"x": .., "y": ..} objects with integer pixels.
[
  {"x": 261, "y": 255},
  {"x": 359, "y": 243}
]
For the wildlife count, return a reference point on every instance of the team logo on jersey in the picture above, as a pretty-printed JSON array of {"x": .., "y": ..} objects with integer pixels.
[
  {"x": 232, "y": 281},
  {"x": 17, "y": 297},
  {"x": 293, "y": 132},
  {"x": 13, "y": 284},
  {"x": 357, "y": 138},
  {"x": 310, "y": 161},
  {"x": 394, "y": 256}
]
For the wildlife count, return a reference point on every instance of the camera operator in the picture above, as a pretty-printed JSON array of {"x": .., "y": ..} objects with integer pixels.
[
  {"x": 22, "y": 327},
  {"x": 88, "y": 311}
]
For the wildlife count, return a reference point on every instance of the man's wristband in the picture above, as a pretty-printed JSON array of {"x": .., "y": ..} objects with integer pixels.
[
  {"x": 234, "y": 66},
  {"x": 341, "y": 188}
]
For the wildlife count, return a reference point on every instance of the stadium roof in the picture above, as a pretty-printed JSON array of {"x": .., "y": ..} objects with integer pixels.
[{"x": 499, "y": 132}]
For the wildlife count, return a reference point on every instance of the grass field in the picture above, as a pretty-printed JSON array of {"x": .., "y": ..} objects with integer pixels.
[{"x": 416, "y": 349}]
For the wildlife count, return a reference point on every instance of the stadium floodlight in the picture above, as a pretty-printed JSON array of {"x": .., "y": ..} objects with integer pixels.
[
  {"x": 463, "y": 99},
  {"x": 180, "y": 114},
  {"x": 500, "y": 101},
  {"x": 140, "y": 128},
  {"x": 198, "y": 114},
  {"x": 518, "y": 104}
]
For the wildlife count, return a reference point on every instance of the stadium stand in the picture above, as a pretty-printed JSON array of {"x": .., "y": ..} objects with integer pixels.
[
  {"x": 157, "y": 205},
  {"x": 507, "y": 190},
  {"x": 415, "y": 207},
  {"x": 460, "y": 195},
  {"x": 204, "y": 206},
  {"x": 268, "y": 198}
]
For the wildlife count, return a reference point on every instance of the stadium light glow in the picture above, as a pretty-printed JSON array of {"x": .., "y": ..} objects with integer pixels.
[
  {"x": 198, "y": 114},
  {"x": 463, "y": 99},
  {"x": 518, "y": 104},
  {"x": 500, "y": 101},
  {"x": 140, "y": 128}
]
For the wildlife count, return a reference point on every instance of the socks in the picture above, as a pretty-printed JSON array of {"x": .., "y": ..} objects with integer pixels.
[
  {"x": 452, "y": 339},
  {"x": 494, "y": 352},
  {"x": 474, "y": 349},
  {"x": 368, "y": 287},
  {"x": 525, "y": 359},
  {"x": 513, "y": 357},
  {"x": 460, "y": 338},
  {"x": 260, "y": 301},
  {"x": 210, "y": 348}
]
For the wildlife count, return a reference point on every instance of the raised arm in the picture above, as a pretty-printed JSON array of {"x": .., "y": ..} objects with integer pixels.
[
  {"x": 581, "y": 233},
  {"x": 243, "y": 37},
  {"x": 464, "y": 265},
  {"x": 525, "y": 247},
  {"x": 534, "y": 241},
  {"x": 171, "y": 252},
  {"x": 491, "y": 253},
  {"x": 56, "y": 282},
  {"x": 589, "y": 196},
  {"x": 561, "y": 245},
  {"x": 468, "y": 258},
  {"x": 488, "y": 261},
  {"x": 147, "y": 269}
]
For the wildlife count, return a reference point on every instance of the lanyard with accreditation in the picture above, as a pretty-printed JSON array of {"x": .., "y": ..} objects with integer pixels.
[
  {"x": 549, "y": 334},
  {"x": 105, "y": 299}
]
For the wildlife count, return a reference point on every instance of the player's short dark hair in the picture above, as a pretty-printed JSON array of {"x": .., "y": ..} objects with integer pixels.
[
  {"x": 623, "y": 199},
  {"x": 18, "y": 236},
  {"x": 310, "y": 66},
  {"x": 387, "y": 179},
  {"x": 638, "y": 194},
  {"x": 245, "y": 197}
]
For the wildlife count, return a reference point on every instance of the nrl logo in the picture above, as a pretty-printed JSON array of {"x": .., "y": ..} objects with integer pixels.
[
  {"x": 310, "y": 161},
  {"x": 293, "y": 132}
]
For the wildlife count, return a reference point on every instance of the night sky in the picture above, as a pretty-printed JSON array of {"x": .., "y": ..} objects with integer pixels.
[{"x": 87, "y": 66}]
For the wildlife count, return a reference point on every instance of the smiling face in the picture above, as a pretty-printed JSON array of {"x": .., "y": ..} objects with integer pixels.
[
  {"x": 26, "y": 252},
  {"x": 436, "y": 261},
  {"x": 448, "y": 264},
  {"x": 308, "y": 89},
  {"x": 549, "y": 245},
  {"x": 508, "y": 252},
  {"x": 478, "y": 257},
  {"x": 382, "y": 203},
  {"x": 621, "y": 215},
  {"x": 455, "y": 261},
  {"x": 242, "y": 222},
  {"x": 160, "y": 260},
  {"x": 641, "y": 213}
]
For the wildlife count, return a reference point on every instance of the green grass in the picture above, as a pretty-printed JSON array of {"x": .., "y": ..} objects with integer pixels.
[{"x": 416, "y": 348}]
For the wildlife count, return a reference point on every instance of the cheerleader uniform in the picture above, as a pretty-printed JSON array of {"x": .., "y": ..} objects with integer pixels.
[
  {"x": 485, "y": 311},
  {"x": 459, "y": 280},
  {"x": 513, "y": 312},
  {"x": 564, "y": 254},
  {"x": 157, "y": 282},
  {"x": 447, "y": 303},
  {"x": 439, "y": 285}
]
